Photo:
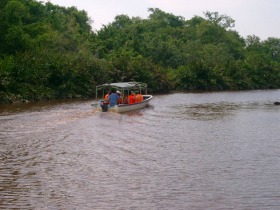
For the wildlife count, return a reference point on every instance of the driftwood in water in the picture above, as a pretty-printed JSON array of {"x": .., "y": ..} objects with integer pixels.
[{"x": 276, "y": 103}]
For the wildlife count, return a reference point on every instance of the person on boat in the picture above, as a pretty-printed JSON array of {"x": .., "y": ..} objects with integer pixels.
[
  {"x": 141, "y": 97},
  {"x": 138, "y": 97},
  {"x": 120, "y": 97},
  {"x": 125, "y": 100},
  {"x": 131, "y": 98},
  {"x": 113, "y": 98},
  {"x": 107, "y": 95}
]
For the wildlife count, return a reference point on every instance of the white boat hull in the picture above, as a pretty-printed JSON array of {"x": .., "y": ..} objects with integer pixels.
[{"x": 131, "y": 107}]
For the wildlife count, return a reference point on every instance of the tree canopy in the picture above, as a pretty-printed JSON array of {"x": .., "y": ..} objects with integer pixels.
[{"x": 48, "y": 52}]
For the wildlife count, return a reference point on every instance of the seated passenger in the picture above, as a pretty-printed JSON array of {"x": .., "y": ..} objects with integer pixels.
[
  {"x": 138, "y": 97},
  {"x": 125, "y": 100},
  {"x": 107, "y": 95},
  {"x": 131, "y": 98}
]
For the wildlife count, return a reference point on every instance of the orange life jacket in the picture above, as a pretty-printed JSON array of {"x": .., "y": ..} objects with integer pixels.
[
  {"x": 136, "y": 98},
  {"x": 131, "y": 99},
  {"x": 106, "y": 96},
  {"x": 140, "y": 98}
]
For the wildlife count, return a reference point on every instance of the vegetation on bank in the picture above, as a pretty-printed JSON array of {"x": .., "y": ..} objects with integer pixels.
[{"x": 49, "y": 52}]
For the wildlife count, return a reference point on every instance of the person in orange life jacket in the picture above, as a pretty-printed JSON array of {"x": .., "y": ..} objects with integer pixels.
[
  {"x": 113, "y": 98},
  {"x": 107, "y": 95},
  {"x": 138, "y": 97},
  {"x": 131, "y": 98},
  {"x": 141, "y": 97}
]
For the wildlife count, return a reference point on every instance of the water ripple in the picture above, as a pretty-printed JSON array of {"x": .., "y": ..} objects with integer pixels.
[{"x": 185, "y": 151}]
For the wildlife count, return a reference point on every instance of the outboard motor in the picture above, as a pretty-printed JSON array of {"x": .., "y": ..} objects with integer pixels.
[{"x": 104, "y": 105}]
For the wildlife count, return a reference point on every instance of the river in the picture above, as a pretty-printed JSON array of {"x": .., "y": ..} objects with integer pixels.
[{"x": 218, "y": 150}]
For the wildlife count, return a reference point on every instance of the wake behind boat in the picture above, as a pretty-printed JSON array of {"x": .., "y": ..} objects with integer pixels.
[{"x": 124, "y": 88}]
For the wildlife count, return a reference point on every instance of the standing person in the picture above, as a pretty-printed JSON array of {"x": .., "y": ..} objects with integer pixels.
[
  {"x": 113, "y": 98},
  {"x": 131, "y": 97},
  {"x": 120, "y": 97}
]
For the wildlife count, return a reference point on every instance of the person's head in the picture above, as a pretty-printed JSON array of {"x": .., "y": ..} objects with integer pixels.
[
  {"x": 118, "y": 92},
  {"x": 113, "y": 90},
  {"x": 132, "y": 93}
]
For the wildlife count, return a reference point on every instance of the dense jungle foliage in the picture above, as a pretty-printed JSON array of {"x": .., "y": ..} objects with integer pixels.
[{"x": 48, "y": 52}]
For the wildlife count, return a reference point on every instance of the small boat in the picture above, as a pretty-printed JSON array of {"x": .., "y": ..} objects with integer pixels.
[{"x": 124, "y": 88}]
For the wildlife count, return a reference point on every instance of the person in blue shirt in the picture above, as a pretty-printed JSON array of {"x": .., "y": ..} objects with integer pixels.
[{"x": 113, "y": 98}]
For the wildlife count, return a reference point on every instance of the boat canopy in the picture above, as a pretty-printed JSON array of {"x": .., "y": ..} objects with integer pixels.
[{"x": 122, "y": 86}]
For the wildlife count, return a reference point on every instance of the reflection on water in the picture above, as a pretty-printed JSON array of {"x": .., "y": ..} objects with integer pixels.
[{"x": 184, "y": 151}]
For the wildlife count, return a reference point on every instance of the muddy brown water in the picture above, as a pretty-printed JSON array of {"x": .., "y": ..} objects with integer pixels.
[{"x": 184, "y": 151}]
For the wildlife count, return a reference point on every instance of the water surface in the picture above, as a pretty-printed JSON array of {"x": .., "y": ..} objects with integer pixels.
[{"x": 184, "y": 151}]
